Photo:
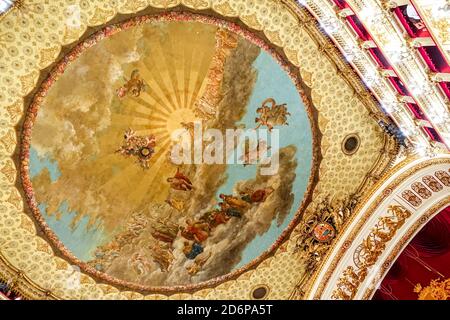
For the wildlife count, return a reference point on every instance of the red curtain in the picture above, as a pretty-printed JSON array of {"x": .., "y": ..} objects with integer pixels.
[{"x": 426, "y": 258}]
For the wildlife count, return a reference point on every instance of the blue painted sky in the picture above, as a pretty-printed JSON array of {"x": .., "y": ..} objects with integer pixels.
[
  {"x": 275, "y": 83},
  {"x": 40, "y": 163},
  {"x": 79, "y": 239}
]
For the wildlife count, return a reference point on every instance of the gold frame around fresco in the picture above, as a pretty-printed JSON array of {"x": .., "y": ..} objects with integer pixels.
[{"x": 254, "y": 17}]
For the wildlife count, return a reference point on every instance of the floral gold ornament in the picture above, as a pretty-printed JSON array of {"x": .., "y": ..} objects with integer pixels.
[
  {"x": 432, "y": 183},
  {"x": 367, "y": 253},
  {"x": 316, "y": 233},
  {"x": 317, "y": 230},
  {"x": 412, "y": 198},
  {"x": 437, "y": 290},
  {"x": 421, "y": 190},
  {"x": 444, "y": 177}
]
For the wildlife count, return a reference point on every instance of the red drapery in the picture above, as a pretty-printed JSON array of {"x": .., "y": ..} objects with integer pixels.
[{"x": 426, "y": 258}]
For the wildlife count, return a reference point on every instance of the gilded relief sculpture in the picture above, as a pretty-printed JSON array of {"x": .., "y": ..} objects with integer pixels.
[
  {"x": 317, "y": 231},
  {"x": 367, "y": 253}
]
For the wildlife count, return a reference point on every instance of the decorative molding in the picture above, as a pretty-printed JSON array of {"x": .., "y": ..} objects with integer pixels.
[
  {"x": 384, "y": 194},
  {"x": 368, "y": 252}
]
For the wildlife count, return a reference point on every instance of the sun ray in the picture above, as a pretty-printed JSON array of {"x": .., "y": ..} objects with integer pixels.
[
  {"x": 170, "y": 63},
  {"x": 188, "y": 53},
  {"x": 164, "y": 71},
  {"x": 118, "y": 179},
  {"x": 156, "y": 126},
  {"x": 154, "y": 81},
  {"x": 143, "y": 106},
  {"x": 158, "y": 131},
  {"x": 142, "y": 121},
  {"x": 161, "y": 135},
  {"x": 143, "y": 118},
  {"x": 152, "y": 176},
  {"x": 157, "y": 72},
  {"x": 124, "y": 119},
  {"x": 153, "y": 105},
  {"x": 128, "y": 176}
]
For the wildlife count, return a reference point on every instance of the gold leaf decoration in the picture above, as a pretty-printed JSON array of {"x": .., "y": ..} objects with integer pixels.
[
  {"x": 307, "y": 77},
  {"x": 48, "y": 56},
  {"x": 252, "y": 22},
  {"x": 15, "y": 110},
  {"x": 292, "y": 56},
  {"x": 266, "y": 263},
  {"x": 134, "y": 5},
  {"x": 8, "y": 141},
  {"x": 196, "y": 4},
  {"x": 274, "y": 37},
  {"x": 437, "y": 290},
  {"x": 85, "y": 279},
  {"x": 71, "y": 34},
  {"x": 225, "y": 9},
  {"x": 203, "y": 293},
  {"x": 245, "y": 276},
  {"x": 368, "y": 252},
  {"x": 9, "y": 171},
  {"x": 15, "y": 199},
  {"x": 325, "y": 145},
  {"x": 226, "y": 285},
  {"x": 100, "y": 16},
  {"x": 28, "y": 81},
  {"x": 61, "y": 264},
  {"x": 43, "y": 246},
  {"x": 27, "y": 224},
  {"x": 107, "y": 289}
]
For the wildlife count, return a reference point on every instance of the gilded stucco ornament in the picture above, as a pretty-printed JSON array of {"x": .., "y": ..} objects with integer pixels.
[
  {"x": 317, "y": 231},
  {"x": 367, "y": 253},
  {"x": 437, "y": 290}
]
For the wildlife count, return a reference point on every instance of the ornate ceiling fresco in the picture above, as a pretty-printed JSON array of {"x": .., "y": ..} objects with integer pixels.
[
  {"x": 101, "y": 99},
  {"x": 184, "y": 72}
]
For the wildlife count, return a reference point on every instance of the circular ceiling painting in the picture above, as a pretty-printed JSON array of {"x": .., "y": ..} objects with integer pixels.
[{"x": 167, "y": 152}]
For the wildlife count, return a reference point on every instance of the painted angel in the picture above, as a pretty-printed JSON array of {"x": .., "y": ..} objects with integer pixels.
[
  {"x": 271, "y": 114},
  {"x": 134, "y": 86}
]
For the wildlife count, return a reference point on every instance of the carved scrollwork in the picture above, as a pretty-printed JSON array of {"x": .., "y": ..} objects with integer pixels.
[
  {"x": 319, "y": 228},
  {"x": 443, "y": 177},
  {"x": 368, "y": 252}
]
